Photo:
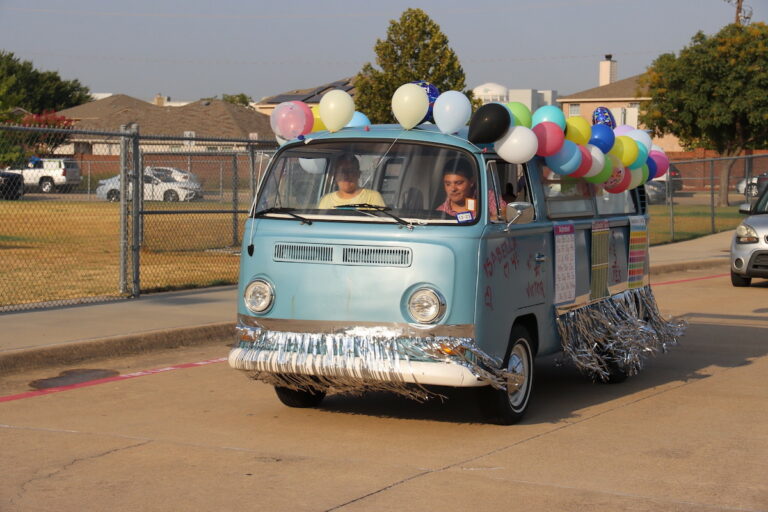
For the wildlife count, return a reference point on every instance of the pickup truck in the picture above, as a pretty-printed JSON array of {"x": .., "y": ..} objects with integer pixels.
[{"x": 50, "y": 174}]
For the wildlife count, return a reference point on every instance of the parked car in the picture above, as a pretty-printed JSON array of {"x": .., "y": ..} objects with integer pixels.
[
  {"x": 155, "y": 189},
  {"x": 749, "y": 248},
  {"x": 11, "y": 185},
  {"x": 656, "y": 192},
  {"x": 753, "y": 186},
  {"x": 674, "y": 176},
  {"x": 171, "y": 172},
  {"x": 50, "y": 174}
]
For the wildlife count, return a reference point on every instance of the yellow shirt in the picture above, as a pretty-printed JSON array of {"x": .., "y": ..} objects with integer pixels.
[{"x": 365, "y": 195}]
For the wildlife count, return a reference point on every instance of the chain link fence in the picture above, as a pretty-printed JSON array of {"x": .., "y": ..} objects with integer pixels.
[{"x": 108, "y": 215}]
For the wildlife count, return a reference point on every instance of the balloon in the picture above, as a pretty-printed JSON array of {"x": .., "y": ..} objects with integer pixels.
[
  {"x": 651, "y": 163},
  {"x": 281, "y": 141},
  {"x": 313, "y": 165},
  {"x": 598, "y": 161},
  {"x": 622, "y": 130},
  {"x": 577, "y": 129},
  {"x": 606, "y": 171},
  {"x": 432, "y": 94},
  {"x": 489, "y": 123},
  {"x": 602, "y": 137},
  {"x": 642, "y": 137},
  {"x": 551, "y": 114},
  {"x": 586, "y": 163},
  {"x": 622, "y": 185},
  {"x": 637, "y": 178},
  {"x": 565, "y": 161},
  {"x": 289, "y": 120},
  {"x": 625, "y": 149},
  {"x": 654, "y": 147},
  {"x": 309, "y": 119},
  {"x": 410, "y": 104},
  {"x": 358, "y": 120},
  {"x": 602, "y": 115},
  {"x": 616, "y": 178},
  {"x": 520, "y": 113},
  {"x": 451, "y": 111},
  {"x": 550, "y": 136},
  {"x": 518, "y": 145},
  {"x": 336, "y": 109},
  {"x": 662, "y": 162},
  {"x": 642, "y": 156},
  {"x": 318, "y": 125}
]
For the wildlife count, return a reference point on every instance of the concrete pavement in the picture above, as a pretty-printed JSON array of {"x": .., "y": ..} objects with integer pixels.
[{"x": 68, "y": 335}]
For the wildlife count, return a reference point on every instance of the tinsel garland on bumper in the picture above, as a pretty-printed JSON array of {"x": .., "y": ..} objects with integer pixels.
[{"x": 617, "y": 332}]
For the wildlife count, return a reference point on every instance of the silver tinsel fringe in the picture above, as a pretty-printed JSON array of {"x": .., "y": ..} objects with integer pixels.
[
  {"x": 363, "y": 360},
  {"x": 617, "y": 333}
]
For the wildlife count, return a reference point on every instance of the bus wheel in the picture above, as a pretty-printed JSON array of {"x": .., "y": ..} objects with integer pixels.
[
  {"x": 507, "y": 406},
  {"x": 299, "y": 397}
]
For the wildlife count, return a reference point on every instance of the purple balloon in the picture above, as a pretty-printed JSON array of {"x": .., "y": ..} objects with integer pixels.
[
  {"x": 622, "y": 130},
  {"x": 602, "y": 137}
]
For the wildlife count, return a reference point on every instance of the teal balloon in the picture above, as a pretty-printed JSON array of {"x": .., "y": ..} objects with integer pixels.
[
  {"x": 642, "y": 156},
  {"x": 550, "y": 114},
  {"x": 565, "y": 161}
]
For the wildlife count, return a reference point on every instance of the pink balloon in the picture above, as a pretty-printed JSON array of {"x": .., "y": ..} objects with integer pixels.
[
  {"x": 586, "y": 163},
  {"x": 309, "y": 119},
  {"x": 613, "y": 186},
  {"x": 550, "y": 136},
  {"x": 662, "y": 162},
  {"x": 289, "y": 119},
  {"x": 622, "y": 130}
]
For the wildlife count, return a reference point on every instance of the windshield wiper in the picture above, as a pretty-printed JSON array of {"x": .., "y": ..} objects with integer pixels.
[
  {"x": 287, "y": 211},
  {"x": 361, "y": 207}
]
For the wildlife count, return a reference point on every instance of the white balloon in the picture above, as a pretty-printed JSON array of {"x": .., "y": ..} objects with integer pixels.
[
  {"x": 598, "y": 160},
  {"x": 313, "y": 165},
  {"x": 281, "y": 141},
  {"x": 518, "y": 145},
  {"x": 654, "y": 147},
  {"x": 410, "y": 104},
  {"x": 336, "y": 109},
  {"x": 642, "y": 137},
  {"x": 637, "y": 178},
  {"x": 452, "y": 110}
]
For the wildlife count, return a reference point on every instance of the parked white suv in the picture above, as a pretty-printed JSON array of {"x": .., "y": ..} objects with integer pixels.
[
  {"x": 155, "y": 189},
  {"x": 50, "y": 174}
]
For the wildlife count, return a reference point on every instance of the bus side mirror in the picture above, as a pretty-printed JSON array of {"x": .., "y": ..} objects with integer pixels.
[{"x": 518, "y": 213}]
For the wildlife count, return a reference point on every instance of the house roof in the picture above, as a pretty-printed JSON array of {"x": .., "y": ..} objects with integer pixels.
[
  {"x": 627, "y": 89},
  {"x": 311, "y": 95},
  {"x": 207, "y": 118}
]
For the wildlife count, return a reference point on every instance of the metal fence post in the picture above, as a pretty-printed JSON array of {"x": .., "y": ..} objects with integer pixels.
[
  {"x": 124, "y": 208},
  {"x": 235, "y": 193},
  {"x": 252, "y": 161},
  {"x": 712, "y": 194},
  {"x": 138, "y": 195}
]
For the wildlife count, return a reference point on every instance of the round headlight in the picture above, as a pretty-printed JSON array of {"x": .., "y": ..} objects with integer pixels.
[
  {"x": 426, "y": 306},
  {"x": 258, "y": 296}
]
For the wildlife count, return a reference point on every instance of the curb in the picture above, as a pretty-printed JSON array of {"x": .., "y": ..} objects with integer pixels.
[
  {"x": 76, "y": 352},
  {"x": 667, "y": 268}
]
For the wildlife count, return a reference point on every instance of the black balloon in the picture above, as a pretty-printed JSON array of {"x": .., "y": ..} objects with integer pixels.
[{"x": 489, "y": 123}]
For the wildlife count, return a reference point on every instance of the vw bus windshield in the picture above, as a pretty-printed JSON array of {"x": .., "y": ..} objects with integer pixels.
[{"x": 372, "y": 181}]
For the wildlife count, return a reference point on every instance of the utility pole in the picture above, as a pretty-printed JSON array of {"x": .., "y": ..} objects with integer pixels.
[
  {"x": 739, "y": 5},
  {"x": 743, "y": 12}
]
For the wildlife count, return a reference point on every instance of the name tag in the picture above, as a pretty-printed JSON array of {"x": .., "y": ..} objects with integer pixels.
[{"x": 464, "y": 217}]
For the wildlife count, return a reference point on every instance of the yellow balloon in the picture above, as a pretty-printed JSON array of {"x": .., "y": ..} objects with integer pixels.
[
  {"x": 577, "y": 130},
  {"x": 410, "y": 104},
  {"x": 318, "y": 125},
  {"x": 336, "y": 109},
  {"x": 625, "y": 149}
]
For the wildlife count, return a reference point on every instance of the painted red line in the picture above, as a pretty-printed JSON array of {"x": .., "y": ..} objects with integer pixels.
[
  {"x": 134, "y": 375},
  {"x": 691, "y": 279}
]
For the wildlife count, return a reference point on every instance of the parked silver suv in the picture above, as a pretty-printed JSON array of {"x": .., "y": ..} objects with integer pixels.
[{"x": 749, "y": 248}]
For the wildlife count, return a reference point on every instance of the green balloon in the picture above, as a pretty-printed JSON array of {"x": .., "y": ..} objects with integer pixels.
[
  {"x": 646, "y": 172},
  {"x": 603, "y": 175},
  {"x": 521, "y": 113}
]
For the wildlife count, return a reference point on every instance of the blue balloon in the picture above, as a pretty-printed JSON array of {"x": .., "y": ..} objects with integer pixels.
[
  {"x": 432, "y": 94},
  {"x": 602, "y": 137},
  {"x": 565, "y": 161},
  {"x": 602, "y": 115},
  {"x": 652, "y": 168},
  {"x": 548, "y": 113},
  {"x": 358, "y": 120}
]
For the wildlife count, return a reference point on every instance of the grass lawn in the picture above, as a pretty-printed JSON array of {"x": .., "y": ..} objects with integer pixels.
[{"x": 52, "y": 250}]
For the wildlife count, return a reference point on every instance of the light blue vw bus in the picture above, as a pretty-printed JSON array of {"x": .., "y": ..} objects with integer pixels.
[{"x": 384, "y": 287}]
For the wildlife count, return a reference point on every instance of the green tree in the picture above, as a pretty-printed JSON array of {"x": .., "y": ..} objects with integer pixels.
[
  {"x": 713, "y": 94},
  {"x": 36, "y": 91},
  {"x": 237, "y": 99},
  {"x": 415, "y": 49}
]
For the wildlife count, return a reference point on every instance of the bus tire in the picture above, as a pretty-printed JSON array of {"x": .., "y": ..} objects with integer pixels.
[
  {"x": 507, "y": 406},
  {"x": 299, "y": 397}
]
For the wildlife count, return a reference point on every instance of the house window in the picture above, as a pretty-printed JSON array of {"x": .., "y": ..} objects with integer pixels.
[{"x": 574, "y": 109}]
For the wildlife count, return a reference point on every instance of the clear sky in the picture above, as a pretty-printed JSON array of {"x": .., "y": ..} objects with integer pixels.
[{"x": 192, "y": 49}]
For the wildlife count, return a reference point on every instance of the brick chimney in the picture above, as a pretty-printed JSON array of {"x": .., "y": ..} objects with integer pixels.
[
  {"x": 607, "y": 71},
  {"x": 159, "y": 100}
]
